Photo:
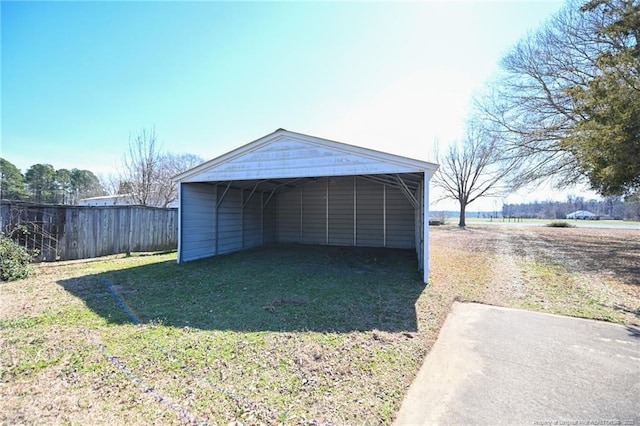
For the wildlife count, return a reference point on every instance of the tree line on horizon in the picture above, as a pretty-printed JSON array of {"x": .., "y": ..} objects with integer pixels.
[
  {"x": 144, "y": 177},
  {"x": 43, "y": 184},
  {"x": 610, "y": 207},
  {"x": 564, "y": 108}
]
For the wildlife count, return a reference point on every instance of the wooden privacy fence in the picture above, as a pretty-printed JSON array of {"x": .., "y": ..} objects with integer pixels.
[{"x": 81, "y": 232}]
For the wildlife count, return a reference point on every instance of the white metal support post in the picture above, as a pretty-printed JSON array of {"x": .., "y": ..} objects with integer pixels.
[
  {"x": 384, "y": 214},
  {"x": 180, "y": 222},
  {"x": 326, "y": 217},
  {"x": 355, "y": 211},
  {"x": 425, "y": 228}
]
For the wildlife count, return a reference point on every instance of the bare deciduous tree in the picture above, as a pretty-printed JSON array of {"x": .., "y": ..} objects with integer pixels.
[
  {"x": 140, "y": 166},
  {"x": 474, "y": 168},
  {"x": 147, "y": 171},
  {"x": 171, "y": 165},
  {"x": 110, "y": 182},
  {"x": 533, "y": 101}
]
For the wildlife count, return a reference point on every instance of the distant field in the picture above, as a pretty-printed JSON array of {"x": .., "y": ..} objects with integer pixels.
[
  {"x": 546, "y": 221},
  {"x": 284, "y": 334}
]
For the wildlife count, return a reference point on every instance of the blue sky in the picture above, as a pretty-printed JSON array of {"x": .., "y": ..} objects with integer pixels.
[{"x": 79, "y": 77}]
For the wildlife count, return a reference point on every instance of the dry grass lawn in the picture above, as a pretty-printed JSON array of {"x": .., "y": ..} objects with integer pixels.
[{"x": 282, "y": 335}]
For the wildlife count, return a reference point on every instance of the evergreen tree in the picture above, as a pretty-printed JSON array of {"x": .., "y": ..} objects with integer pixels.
[
  {"x": 568, "y": 98},
  {"x": 84, "y": 184},
  {"x": 606, "y": 141},
  {"x": 40, "y": 179},
  {"x": 63, "y": 186},
  {"x": 12, "y": 186}
]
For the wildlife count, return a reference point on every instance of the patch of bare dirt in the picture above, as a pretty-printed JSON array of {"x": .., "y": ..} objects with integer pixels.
[
  {"x": 614, "y": 252},
  {"x": 576, "y": 271}
]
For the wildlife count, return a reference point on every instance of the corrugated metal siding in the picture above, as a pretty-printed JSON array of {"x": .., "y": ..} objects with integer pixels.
[
  {"x": 301, "y": 215},
  {"x": 370, "y": 213},
  {"x": 295, "y": 158},
  {"x": 341, "y": 210},
  {"x": 252, "y": 225},
  {"x": 198, "y": 221},
  {"x": 289, "y": 223},
  {"x": 284, "y": 154},
  {"x": 400, "y": 220},
  {"x": 229, "y": 221},
  {"x": 314, "y": 213},
  {"x": 418, "y": 224},
  {"x": 270, "y": 220}
]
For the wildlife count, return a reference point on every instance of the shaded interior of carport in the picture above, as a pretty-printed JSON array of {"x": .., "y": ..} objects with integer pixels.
[
  {"x": 288, "y": 187},
  {"x": 380, "y": 210}
]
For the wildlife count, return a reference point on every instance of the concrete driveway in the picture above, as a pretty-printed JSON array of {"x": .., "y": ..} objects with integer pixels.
[{"x": 495, "y": 365}]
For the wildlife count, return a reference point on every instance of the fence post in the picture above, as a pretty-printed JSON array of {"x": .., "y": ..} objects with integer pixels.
[{"x": 130, "y": 231}]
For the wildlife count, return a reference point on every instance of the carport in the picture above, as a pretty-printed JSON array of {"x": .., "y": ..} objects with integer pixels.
[{"x": 288, "y": 187}]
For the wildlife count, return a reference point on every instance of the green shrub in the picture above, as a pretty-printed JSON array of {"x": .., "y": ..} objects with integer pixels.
[
  {"x": 560, "y": 224},
  {"x": 14, "y": 260}
]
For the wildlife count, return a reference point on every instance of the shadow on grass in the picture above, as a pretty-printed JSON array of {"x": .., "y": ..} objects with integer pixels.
[
  {"x": 627, "y": 310},
  {"x": 276, "y": 288},
  {"x": 616, "y": 252}
]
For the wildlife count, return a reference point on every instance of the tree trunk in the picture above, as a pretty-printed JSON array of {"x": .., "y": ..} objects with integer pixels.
[{"x": 463, "y": 207}]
